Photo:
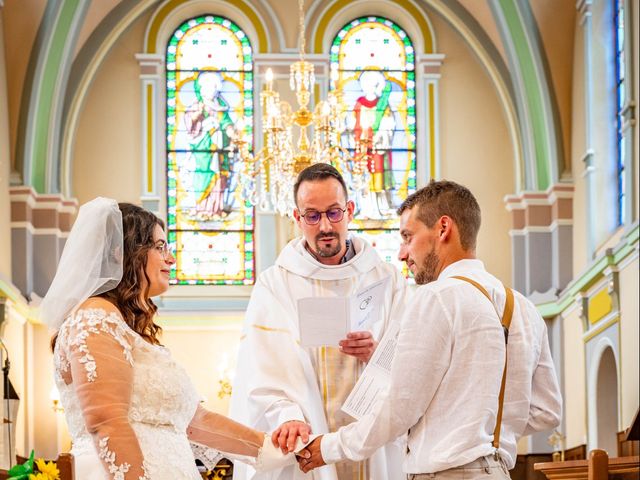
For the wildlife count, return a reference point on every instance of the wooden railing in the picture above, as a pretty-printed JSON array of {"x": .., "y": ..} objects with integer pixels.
[{"x": 598, "y": 467}]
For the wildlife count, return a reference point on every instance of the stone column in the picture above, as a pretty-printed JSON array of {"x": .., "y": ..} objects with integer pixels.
[
  {"x": 153, "y": 133},
  {"x": 428, "y": 68}
]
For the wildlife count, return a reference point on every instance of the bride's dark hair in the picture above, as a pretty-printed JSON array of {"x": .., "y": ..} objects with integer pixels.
[
  {"x": 128, "y": 296},
  {"x": 131, "y": 298}
]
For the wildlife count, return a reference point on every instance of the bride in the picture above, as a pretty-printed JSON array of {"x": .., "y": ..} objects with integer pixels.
[{"x": 132, "y": 411}]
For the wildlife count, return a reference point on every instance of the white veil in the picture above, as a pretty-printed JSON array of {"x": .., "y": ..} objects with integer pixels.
[{"x": 91, "y": 262}]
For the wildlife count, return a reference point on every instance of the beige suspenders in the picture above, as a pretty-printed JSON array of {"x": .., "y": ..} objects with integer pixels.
[{"x": 506, "y": 322}]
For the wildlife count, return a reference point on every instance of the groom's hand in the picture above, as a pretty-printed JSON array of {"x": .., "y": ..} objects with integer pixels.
[
  {"x": 285, "y": 435},
  {"x": 313, "y": 458}
]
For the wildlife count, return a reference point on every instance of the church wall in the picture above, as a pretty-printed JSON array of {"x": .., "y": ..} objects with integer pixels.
[
  {"x": 578, "y": 148},
  {"x": 21, "y": 22},
  {"x": 287, "y": 13},
  {"x": 5, "y": 163},
  {"x": 636, "y": 95},
  {"x": 106, "y": 157},
  {"x": 553, "y": 19},
  {"x": 31, "y": 375},
  {"x": 475, "y": 146},
  {"x": 44, "y": 417},
  {"x": 481, "y": 12},
  {"x": 96, "y": 13},
  {"x": 208, "y": 353},
  {"x": 629, "y": 334},
  {"x": 575, "y": 388}
]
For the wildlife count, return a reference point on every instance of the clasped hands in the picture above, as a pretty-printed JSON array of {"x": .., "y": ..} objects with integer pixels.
[
  {"x": 360, "y": 345},
  {"x": 285, "y": 436}
]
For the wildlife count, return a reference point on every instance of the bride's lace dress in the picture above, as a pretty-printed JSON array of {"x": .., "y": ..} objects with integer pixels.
[{"x": 131, "y": 410}]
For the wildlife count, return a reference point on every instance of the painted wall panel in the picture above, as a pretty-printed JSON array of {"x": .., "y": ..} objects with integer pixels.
[
  {"x": 45, "y": 261},
  {"x": 538, "y": 248},
  {"x": 21, "y": 263},
  {"x": 519, "y": 259},
  {"x": 562, "y": 255}
]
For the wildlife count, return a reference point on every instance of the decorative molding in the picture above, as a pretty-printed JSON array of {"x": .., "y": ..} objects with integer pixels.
[
  {"x": 152, "y": 128},
  {"x": 39, "y": 227},
  {"x": 170, "y": 14},
  {"x": 624, "y": 252},
  {"x": 325, "y": 19}
]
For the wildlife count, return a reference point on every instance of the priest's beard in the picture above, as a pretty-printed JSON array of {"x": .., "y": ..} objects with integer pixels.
[
  {"x": 428, "y": 271},
  {"x": 327, "y": 251}
]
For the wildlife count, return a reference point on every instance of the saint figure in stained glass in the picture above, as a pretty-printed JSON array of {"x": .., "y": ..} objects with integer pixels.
[
  {"x": 209, "y": 95},
  {"x": 373, "y": 74},
  {"x": 207, "y": 121},
  {"x": 374, "y": 124}
]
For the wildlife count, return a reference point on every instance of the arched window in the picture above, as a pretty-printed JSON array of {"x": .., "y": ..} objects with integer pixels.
[
  {"x": 621, "y": 100},
  {"x": 372, "y": 67},
  {"x": 209, "y": 73}
]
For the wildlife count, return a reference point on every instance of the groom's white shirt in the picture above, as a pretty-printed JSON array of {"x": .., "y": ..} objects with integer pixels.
[{"x": 275, "y": 379}]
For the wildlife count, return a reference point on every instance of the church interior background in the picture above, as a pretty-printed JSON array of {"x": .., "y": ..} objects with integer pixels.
[{"x": 529, "y": 103}]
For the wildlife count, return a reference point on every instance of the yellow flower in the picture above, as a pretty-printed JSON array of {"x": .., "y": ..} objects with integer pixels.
[{"x": 48, "y": 470}]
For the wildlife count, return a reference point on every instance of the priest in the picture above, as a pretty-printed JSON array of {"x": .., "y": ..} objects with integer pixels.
[{"x": 282, "y": 386}]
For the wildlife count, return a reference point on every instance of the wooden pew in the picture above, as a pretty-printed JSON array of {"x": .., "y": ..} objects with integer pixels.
[
  {"x": 64, "y": 463},
  {"x": 598, "y": 467}
]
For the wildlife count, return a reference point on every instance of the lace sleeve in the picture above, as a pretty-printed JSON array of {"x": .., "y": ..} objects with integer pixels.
[
  {"x": 223, "y": 434},
  {"x": 99, "y": 351},
  {"x": 236, "y": 441},
  {"x": 208, "y": 456}
]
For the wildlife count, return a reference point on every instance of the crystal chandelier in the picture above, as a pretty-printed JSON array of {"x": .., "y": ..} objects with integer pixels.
[{"x": 267, "y": 178}]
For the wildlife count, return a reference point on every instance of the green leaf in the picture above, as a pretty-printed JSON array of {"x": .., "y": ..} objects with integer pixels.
[{"x": 21, "y": 472}]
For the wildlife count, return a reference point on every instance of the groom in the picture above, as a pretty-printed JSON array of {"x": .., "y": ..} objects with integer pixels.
[{"x": 448, "y": 368}]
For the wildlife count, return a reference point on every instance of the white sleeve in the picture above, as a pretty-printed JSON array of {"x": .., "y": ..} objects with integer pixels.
[
  {"x": 545, "y": 409},
  {"x": 425, "y": 339}
]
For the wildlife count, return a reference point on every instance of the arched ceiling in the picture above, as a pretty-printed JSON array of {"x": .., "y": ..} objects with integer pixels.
[{"x": 58, "y": 80}]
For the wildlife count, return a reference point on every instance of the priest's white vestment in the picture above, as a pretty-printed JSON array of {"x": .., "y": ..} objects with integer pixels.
[{"x": 278, "y": 380}]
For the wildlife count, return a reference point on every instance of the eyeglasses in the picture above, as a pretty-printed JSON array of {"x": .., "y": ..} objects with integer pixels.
[
  {"x": 163, "y": 249},
  {"x": 334, "y": 215}
]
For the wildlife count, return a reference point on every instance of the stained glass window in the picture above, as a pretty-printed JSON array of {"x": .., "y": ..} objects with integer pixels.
[
  {"x": 209, "y": 73},
  {"x": 619, "y": 36},
  {"x": 372, "y": 66}
]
